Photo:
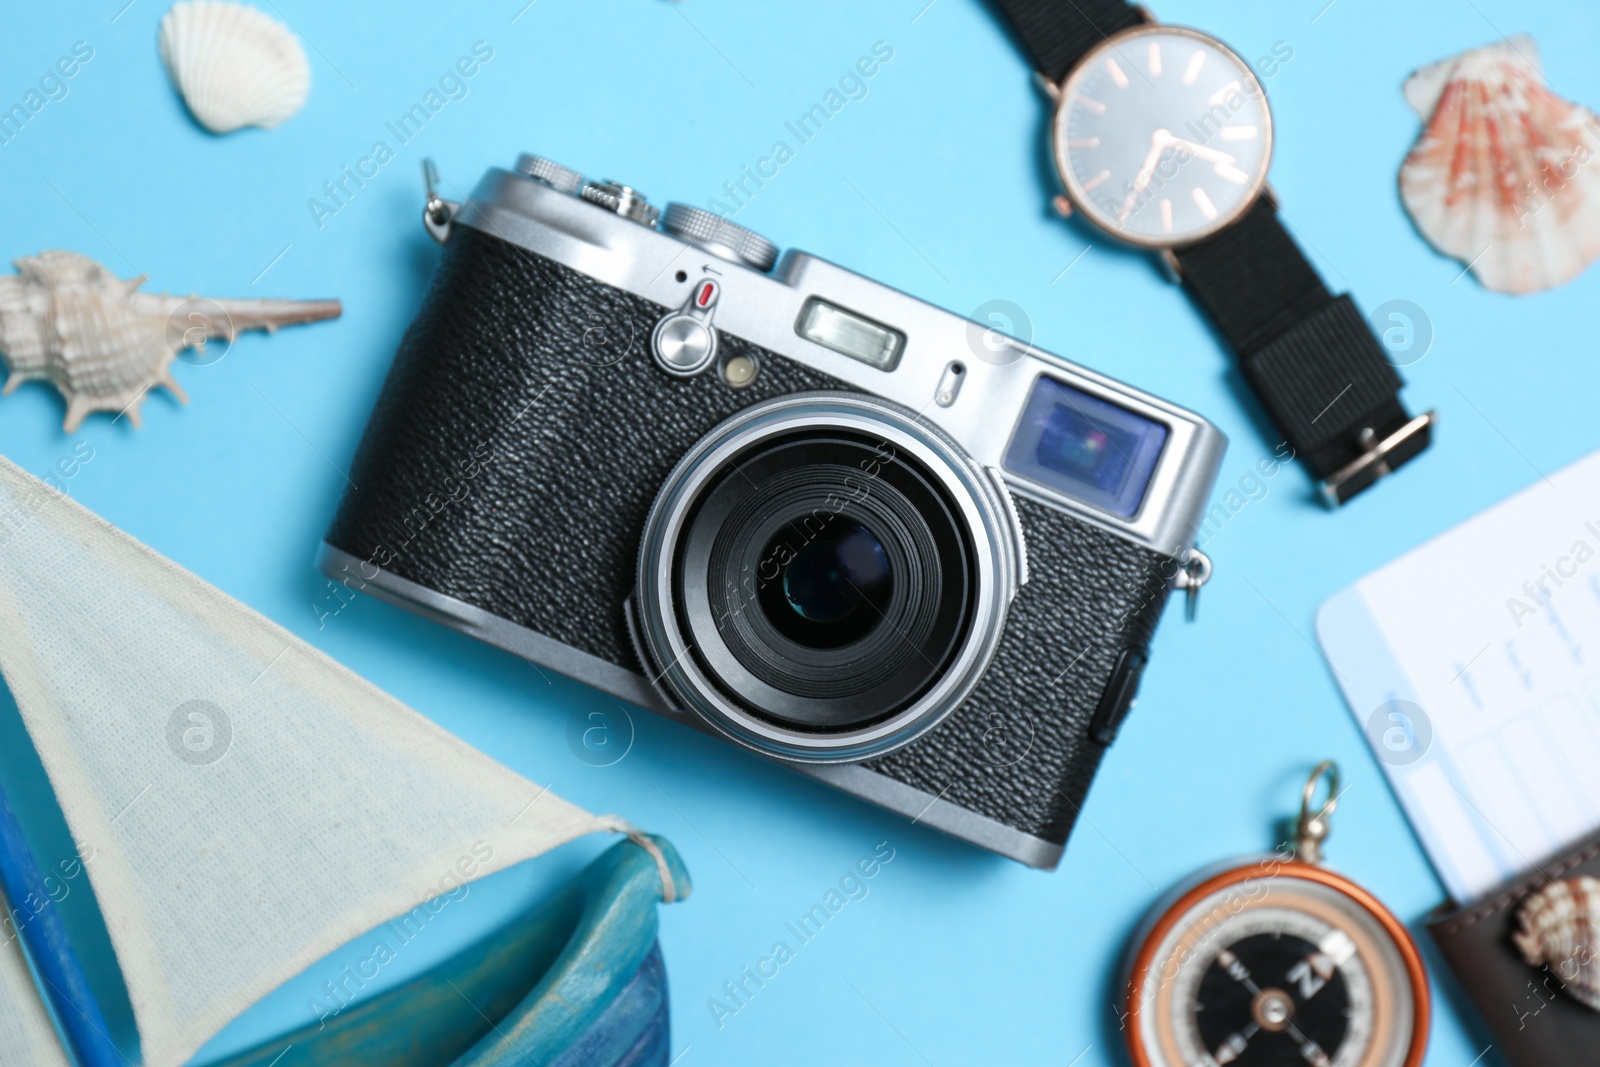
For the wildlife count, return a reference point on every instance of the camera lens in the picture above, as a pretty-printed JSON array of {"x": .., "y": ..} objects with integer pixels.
[
  {"x": 823, "y": 577},
  {"x": 833, "y": 589},
  {"x": 826, "y": 580}
]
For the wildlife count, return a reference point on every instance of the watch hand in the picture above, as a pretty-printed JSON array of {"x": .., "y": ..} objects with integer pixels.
[
  {"x": 1200, "y": 151},
  {"x": 1158, "y": 143}
]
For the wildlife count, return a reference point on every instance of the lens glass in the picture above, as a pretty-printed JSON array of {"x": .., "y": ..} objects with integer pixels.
[
  {"x": 826, "y": 580},
  {"x": 833, "y": 587}
]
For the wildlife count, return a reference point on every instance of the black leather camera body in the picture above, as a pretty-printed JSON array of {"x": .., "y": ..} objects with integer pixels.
[{"x": 780, "y": 502}]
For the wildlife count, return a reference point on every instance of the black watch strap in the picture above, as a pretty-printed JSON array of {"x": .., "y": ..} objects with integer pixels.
[
  {"x": 1057, "y": 33},
  {"x": 1309, "y": 356}
]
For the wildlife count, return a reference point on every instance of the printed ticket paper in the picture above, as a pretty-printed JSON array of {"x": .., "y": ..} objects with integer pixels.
[{"x": 1472, "y": 665}]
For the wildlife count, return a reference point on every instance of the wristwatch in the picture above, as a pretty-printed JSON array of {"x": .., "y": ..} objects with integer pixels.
[{"x": 1162, "y": 137}]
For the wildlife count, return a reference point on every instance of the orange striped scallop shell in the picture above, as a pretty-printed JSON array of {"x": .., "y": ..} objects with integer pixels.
[{"x": 1506, "y": 174}]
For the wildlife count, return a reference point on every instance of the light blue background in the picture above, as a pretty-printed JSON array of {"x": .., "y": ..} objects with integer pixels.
[{"x": 956, "y": 956}]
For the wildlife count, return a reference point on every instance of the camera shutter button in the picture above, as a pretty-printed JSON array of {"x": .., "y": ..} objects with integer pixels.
[
  {"x": 720, "y": 237},
  {"x": 684, "y": 342}
]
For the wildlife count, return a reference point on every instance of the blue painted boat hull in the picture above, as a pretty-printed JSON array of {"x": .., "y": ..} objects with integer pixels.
[{"x": 576, "y": 981}]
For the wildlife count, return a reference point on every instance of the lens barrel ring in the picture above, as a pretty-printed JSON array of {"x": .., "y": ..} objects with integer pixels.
[
  {"x": 799, "y": 673},
  {"x": 967, "y": 503}
]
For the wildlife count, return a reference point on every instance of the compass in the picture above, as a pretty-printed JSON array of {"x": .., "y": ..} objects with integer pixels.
[{"x": 1277, "y": 962}]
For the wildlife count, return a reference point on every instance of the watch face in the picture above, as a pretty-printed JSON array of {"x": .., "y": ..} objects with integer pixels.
[{"x": 1162, "y": 136}]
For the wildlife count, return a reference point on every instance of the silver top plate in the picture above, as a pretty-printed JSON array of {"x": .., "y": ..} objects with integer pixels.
[{"x": 764, "y": 308}]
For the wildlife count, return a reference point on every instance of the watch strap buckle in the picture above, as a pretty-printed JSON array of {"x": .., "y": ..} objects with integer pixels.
[
  {"x": 1331, "y": 390},
  {"x": 1379, "y": 459}
]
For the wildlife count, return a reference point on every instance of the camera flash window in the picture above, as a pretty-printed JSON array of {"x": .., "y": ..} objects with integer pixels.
[{"x": 849, "y": 334}]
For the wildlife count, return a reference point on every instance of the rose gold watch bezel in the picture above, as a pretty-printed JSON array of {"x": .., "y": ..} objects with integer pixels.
[{"x": 1080, "y": 201}]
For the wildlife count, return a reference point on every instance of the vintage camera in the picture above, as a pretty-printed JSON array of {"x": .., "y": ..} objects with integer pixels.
[{"x": 777, "y": 501}]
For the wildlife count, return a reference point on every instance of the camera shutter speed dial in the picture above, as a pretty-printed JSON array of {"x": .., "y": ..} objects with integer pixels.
[
  {"x": 720, "y": 237},
  {"x": 561, "y": 179},
  {"x": 684, "y": 342}
]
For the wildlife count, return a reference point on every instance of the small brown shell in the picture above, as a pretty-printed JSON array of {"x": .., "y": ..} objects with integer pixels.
[{"x": 1557, "y": 929}]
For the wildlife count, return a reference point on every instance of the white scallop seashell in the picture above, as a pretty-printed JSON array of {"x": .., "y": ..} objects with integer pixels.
[
  {"x": 1559, "y": 928},
  {"x": 234, "y": 65},
  {"x": 69, "y": 321},
  {"x": 1506, "y": 175}
]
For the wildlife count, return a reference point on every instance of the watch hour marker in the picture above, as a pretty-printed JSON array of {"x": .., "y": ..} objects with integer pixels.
[
  {"x": 1166, "y": 215},
  {"x": 1084, "y": 142},
  {"x": 1098, "y": 179},
  {"x": 1192, "y": 71},
  {"x": 1155, "y": 59},
  {"x": 1116, "y": 73},
  {"x": 1093, "y": 105},
  {"x": 1238, "y": 133},
  {"x": 1203, "y": 202},
  {"x": 1233, "y": 174}
]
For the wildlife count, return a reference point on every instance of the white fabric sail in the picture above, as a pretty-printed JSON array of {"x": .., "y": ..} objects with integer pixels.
[
  {"x": 27, "y": 1038},
  {"x": 246, "y": 804}
]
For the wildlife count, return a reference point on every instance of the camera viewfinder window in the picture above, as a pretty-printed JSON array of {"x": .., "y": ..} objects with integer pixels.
[{"x": 1091, "y": 450}]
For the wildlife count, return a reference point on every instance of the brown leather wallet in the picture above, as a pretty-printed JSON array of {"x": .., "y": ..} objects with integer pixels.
[{"x": 1534, "y": 1022}]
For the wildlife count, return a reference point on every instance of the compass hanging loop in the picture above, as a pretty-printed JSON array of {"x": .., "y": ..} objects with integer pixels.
[{"x": 1312, "y": 828}]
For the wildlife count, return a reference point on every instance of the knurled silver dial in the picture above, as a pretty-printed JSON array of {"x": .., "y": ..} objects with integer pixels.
[
  {"x": 719, "y": 236},
  {"x": 623, "y": 199},
  {"x": 561, "y": 179}
]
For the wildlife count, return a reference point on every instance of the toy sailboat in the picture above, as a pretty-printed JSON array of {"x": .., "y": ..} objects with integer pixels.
[{"x": 243, "y": 805}]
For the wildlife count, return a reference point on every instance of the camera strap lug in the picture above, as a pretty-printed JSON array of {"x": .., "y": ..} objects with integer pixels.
[
  {"x": 439, "y": 214},
  {"x": 1194, "y": 570}
]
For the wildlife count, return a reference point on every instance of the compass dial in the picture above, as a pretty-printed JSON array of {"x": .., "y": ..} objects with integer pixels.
[
  {"x": 1289, "y": 990},
  {"x": 1282, "y": 965},
  {"x": 1162, "y": 136}
]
